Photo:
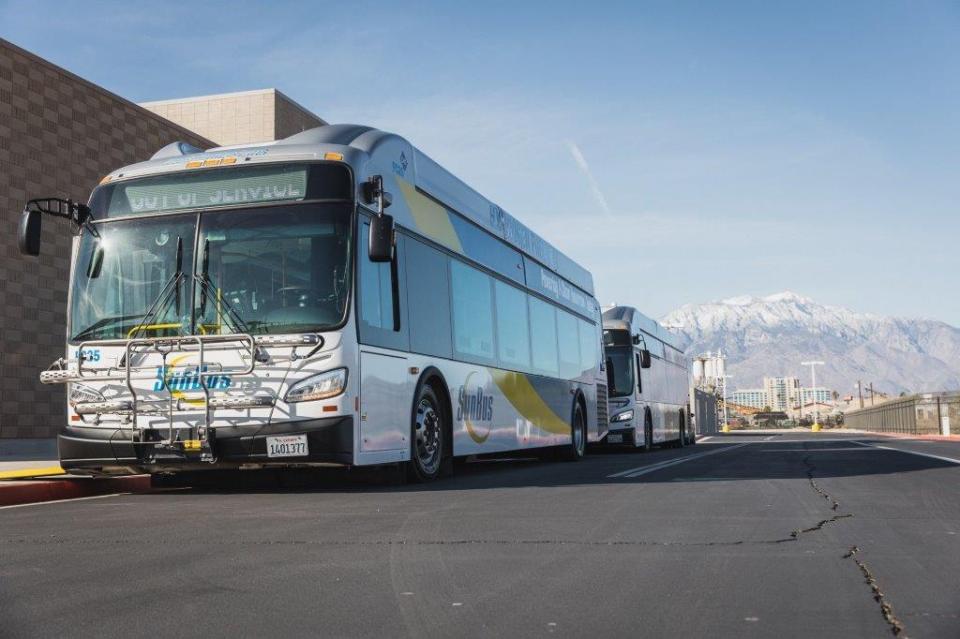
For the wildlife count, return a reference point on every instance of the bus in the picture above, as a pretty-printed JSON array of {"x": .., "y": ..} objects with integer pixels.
[
  {"x": 257, "y": 306},
  {"x": 648, "y": 381}
]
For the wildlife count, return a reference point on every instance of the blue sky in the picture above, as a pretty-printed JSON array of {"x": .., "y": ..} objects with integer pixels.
[{"x": 684, "y": 152}]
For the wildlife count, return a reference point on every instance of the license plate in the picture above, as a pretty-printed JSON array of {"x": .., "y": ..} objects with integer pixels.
[
  {"x": 615, "y": 438},
  {"x": 287, "y": 446}
]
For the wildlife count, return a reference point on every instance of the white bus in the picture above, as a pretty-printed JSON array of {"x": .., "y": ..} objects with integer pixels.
[
  {"x": 648, "y": 379},
  {"x": 254, "y": 306}
]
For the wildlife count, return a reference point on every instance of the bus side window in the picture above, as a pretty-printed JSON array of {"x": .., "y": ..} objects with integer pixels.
[
  {"x": 639, "y": 374},
  {"x": 380, "y": 303}
]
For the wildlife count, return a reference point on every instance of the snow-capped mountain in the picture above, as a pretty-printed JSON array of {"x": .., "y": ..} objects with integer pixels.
[{"x": 770, "y": 336}]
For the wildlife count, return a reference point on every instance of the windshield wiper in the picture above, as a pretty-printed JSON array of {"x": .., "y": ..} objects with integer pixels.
[
  {"x": 207, "y": 287},
  {"x": 161, "y": 301}
]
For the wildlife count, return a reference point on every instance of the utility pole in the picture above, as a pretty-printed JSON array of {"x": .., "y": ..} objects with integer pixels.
[
  {"x": 860, "y": 392},
  {"x": 813, "y": 391},
  {"x": 871, "y": 393}
]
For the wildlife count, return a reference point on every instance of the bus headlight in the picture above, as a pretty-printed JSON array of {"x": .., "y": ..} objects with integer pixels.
[
  {"x": 625, "y": 416},
  {"x": 82, "y": 393},
  {"x": 322, "y": 386}
]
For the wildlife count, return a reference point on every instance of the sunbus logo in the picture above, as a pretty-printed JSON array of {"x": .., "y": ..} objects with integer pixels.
[{"x": 474, "y": 406}]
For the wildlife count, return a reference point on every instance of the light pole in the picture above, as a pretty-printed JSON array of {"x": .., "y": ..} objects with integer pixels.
[
  {"x": 725, "y": 378},
  {"x": 813, "y": 391}
]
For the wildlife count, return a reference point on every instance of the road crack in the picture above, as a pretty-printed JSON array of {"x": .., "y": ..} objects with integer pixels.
[{"x": 886, "y": 608}]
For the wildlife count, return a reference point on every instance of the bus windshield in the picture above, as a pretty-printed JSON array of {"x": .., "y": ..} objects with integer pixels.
[
  {"x": 276, "y": 270},
  {"x": 280, "y": 270},
  {"x": 620, "y": 370}
]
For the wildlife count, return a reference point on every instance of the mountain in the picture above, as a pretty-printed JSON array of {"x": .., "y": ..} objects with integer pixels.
[{"x": 770, "y": 336}]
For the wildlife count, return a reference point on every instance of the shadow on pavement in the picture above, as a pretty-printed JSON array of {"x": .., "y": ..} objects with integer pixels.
[{"x": 758, "y": 460}]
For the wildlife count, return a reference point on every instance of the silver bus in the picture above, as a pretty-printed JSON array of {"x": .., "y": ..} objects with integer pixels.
[
  {"x": 648, "y": 380},
  {"x": 335, "y": 297}
]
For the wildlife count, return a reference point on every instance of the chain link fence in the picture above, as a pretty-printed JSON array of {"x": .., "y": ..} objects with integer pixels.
[{"x": 923, "y": 414}]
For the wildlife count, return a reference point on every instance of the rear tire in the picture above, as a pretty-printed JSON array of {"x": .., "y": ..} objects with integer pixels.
[
  {"x": 682, "y": 440},
  {"x": 428, "y": 431},
  {"x": 577, "y": 448},
  {"x": 647, "y": 432}
]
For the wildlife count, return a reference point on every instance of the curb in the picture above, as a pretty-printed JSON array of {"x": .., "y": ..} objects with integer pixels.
[
  {"x": 14, "y": 493},
  {"x": 30, "y": 473}
]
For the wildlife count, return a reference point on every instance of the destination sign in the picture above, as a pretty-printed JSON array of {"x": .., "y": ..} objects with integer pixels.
[{"x": 226, "y": 187}]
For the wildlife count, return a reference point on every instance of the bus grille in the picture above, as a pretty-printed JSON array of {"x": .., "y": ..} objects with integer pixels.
[{"x": 602, "y": 414}]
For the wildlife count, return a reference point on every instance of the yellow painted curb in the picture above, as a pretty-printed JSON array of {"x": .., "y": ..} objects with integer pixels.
[
  {"x": 27, "y": 473},
  {"x": 816, "y": 428}
]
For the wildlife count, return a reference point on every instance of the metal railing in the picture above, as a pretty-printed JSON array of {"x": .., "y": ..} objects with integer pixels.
[{"x": 921, "y": 414}]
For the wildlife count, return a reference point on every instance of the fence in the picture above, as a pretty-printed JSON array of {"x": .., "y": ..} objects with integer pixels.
[
  {"x": 924, "y": 414},
  {"x": 704, "y": 407}
]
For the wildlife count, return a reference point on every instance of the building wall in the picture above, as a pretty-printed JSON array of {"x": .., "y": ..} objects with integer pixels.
[
  {"x": 752, "y": 397},
  {"x": 238, "y": 118},
  {"x": 59, "y": 134}
]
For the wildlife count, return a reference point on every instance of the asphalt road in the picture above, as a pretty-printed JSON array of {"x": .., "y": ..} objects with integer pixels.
[{"x": 738, "y": 536}]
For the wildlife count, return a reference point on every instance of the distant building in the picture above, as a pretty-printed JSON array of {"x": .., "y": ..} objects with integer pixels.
[
  {"x": 751, "y": 397},
  {"x": 780, "y": 394},
  {"x": 819, "y": 395},
  {"x": 238, "y": 118}
]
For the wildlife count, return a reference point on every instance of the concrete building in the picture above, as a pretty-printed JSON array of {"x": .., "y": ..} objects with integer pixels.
[
  {"x": 819, "y": 395},
  {"x": 752, "y": 397},
  {"x": 782, "y": 392},
  {"x": 238, "y": 118},
  {"x": 59, "y": 134}
]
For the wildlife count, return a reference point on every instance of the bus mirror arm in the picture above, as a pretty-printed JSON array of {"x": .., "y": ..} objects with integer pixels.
[{"x": 28, "y": 237}]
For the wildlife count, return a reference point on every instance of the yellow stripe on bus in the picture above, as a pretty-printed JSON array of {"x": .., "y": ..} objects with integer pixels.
[
  {"x": 518, "y": 390},
  {"x": 431, "y": 218}
]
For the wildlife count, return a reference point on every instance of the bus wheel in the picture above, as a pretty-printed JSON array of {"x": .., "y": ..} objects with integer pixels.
[
  {"x": 578, "y": 441},
  {"x": 683, "y": 432},
  {"x": 647, "y": 432},
  {"x": 426, "y": 436}
]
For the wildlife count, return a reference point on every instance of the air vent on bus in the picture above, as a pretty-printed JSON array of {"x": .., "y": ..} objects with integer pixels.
[{"x": 602, "y": 415}]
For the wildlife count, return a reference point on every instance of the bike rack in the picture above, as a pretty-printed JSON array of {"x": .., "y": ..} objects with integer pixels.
[{"x": 137, "y": 348}]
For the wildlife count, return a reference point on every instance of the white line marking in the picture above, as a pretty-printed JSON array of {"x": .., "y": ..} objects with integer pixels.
[
  {"x": 643, "y": 470},
  {"x": 766, "y": 439},
  {"x": 805, "y": 450},
  {"x": 911, "y": 452},
  {"x": 705, "y": 439},
  {"x": 62, "y": 501}
]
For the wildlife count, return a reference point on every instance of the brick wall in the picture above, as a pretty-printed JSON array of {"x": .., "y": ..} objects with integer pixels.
[{"x": 59, "y": 134}]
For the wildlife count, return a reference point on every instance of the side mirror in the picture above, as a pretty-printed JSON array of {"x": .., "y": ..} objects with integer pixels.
[
  {"x": 29, "y": 236},
  {"x": 380, "y": 248},
  {"x": 644, "y": 358}
]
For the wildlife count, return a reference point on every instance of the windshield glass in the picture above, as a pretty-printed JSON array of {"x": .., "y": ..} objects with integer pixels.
[
  {"x": 121, "y": 271},
  {"x": 280, "y": 270},
  {"x": 620, "y": 370},
  {"x": 270, "y": 270}
]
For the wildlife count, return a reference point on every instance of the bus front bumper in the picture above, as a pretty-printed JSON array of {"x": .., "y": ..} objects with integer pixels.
[{"x": 112, "y": 450}]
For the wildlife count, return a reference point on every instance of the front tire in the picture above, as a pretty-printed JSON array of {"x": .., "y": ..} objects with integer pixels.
[
  {"x": 647, "y": 432},
  {"x": 427, "y": 436}
]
